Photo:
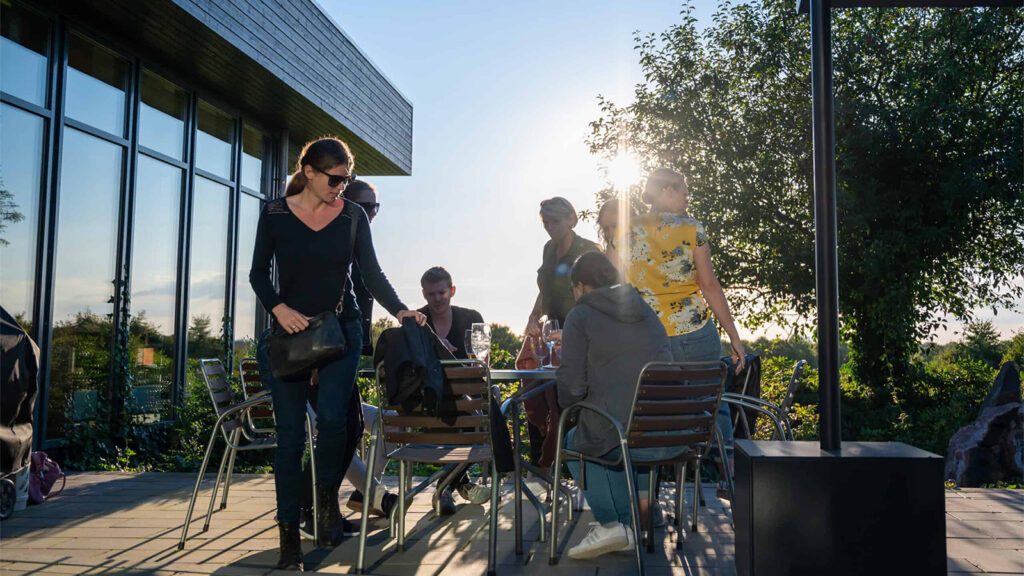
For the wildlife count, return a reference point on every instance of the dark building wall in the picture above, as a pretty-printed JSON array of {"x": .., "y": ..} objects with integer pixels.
[{"x": 299, "y": 44}]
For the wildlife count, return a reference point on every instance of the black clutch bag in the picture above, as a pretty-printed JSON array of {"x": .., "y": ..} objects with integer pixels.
[{"x": 295, "y": 356}]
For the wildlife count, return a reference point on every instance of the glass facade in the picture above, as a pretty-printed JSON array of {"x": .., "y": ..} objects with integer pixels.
[
  {"x": 96, "y": 82},
  {"x": 84, "y": 276},
  {"x": 154, "y": 281},
  {"x": 110, "y": 182},
  {"x": 24, "y": 72},
  {"x": 21, "y": 178}
]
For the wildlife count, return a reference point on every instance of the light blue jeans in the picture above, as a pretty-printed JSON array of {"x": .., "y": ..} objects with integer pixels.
[
  {"x": 704, "y": 345},
  {"x": 605, "y": 487}
]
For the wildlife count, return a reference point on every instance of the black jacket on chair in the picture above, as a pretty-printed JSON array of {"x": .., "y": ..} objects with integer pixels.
[{"x": 409, "y": 365}]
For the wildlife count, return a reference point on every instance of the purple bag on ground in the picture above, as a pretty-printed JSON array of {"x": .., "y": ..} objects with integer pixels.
[{"x": 43, "y": 474}]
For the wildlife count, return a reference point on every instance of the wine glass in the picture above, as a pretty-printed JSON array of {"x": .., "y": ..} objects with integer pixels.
[
  {"x": 468, "y": 343},
  {"x": 540, "y": 349},
  {"x": 550, "y": 333},
  {"x": 481, "y": 340}
]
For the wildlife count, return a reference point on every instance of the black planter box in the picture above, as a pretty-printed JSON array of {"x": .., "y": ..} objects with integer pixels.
[{"x": 871, "y": 508}]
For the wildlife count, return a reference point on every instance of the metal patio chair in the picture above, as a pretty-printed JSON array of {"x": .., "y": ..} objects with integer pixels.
[
  {"x": 778, "y": 414},
  {"x": 460, "y": 438},
  {"x": 675, "y": 405},
  {"x": 234, "y": 422}
]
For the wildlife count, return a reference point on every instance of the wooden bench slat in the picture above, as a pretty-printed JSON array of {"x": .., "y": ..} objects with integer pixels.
[
  {"x": 664, "y": 407},
  {"x": 442, "y": 438},
  {"x": 673, "y": 422},
  {"x": 417, "y": 421},
  {"x": 476, "y": 388},
  {"x": 664, "y": 440},
  {"x": 679, "y": 374},
  {"x": 678, "y": 391}
]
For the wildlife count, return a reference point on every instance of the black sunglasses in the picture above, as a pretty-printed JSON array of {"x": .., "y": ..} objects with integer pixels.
[
  {"x": 370, "y": 207},
  {"x": 334, "y": 180}
]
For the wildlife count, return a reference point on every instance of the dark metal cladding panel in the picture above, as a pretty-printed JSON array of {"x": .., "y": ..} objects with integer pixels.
[{"x": 282, "y": 63}]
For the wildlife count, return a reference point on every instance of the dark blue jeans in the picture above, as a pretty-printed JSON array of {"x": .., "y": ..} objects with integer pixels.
[{"x": 336, "y": 382}]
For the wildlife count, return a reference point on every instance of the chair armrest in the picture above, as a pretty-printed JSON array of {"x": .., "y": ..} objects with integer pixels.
[
  {"x": 525, "y": 394},
  {"x": 752, "y": 400},
  {"x": 767, "y": 412},
  {"x": 584, "y": 405}
]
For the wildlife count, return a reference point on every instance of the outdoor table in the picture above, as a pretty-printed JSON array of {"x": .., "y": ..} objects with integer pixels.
[{"x": 541, "y": 379}]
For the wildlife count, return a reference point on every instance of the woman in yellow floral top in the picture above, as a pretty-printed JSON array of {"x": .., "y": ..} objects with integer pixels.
[{"x": 670, "y": 263}]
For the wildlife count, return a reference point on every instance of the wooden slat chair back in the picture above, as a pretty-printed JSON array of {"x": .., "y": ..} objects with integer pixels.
[
  {"x": 675, "y": 405},
  {"x": 459, "y": 438},
  {"x": 468, "y": 429},
  {"x": 261, "y": 418}
]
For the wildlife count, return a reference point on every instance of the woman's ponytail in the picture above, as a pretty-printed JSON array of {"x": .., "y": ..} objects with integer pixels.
[{"x": 297, "y": 182}]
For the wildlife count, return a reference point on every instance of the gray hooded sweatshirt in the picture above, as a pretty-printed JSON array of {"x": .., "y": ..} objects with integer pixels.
[{"x": 609, "y": 335}]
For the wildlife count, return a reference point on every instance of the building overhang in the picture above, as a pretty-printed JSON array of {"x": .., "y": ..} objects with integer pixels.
[{"x": 284, "y": 63}]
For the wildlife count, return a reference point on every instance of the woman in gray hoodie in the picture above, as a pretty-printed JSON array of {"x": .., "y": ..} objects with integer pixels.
[{"x": 609, "y": 335}]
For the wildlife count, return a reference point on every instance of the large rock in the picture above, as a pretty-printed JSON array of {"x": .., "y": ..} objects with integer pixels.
[{"x": 992, "y": 448}]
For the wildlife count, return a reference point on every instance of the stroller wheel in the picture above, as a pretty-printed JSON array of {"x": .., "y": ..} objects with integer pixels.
[{"x": 8, "y": 495}]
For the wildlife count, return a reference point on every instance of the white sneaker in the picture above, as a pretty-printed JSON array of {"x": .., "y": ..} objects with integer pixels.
[
  {"x": 474, "y": 493},
  {"x": 601, "y": 540}
]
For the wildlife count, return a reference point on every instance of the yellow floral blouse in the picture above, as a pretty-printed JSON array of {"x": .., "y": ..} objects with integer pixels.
[{"x": 663, "y": 269}]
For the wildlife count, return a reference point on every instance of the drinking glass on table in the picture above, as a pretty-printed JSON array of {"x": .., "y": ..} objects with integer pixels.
[
  {"x": 481, "y": 340},
  {"x": 540, "y": 350},
  {"x": 550, "y": 333},
  {"x": 468, "y": 343}
]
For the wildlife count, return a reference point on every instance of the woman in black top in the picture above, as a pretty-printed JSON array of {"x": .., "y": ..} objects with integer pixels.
[{"x": 307, "y": 234}]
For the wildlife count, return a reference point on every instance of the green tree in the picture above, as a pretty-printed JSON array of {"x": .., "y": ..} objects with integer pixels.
[
  {"x": 8, "y": 212},
  {"x": 1015, "y": 350},
  {"x": 930, "y": 185},
  {"x": 981, "y": 343}
]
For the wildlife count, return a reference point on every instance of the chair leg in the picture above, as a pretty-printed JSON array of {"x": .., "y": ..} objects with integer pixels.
[
  {"x": 401, "y": 505},
  {"x": 680, "y": 504},
  {"x": 231, "y": 468},
  {"x": 312, "y": 466},
  {"x": 195, "y": 491},
  {"x": 634, "y": 504},
  {"x": 555, "y": 492},
  {"x": 728, "y": 475},
  {"x": 696, "y": 495},
  {"x": 367, "y": 503},
  {"x": 228, "y": 451},
  {"x": 652, "y": 498},
  {"x": 492, "y": 533}
]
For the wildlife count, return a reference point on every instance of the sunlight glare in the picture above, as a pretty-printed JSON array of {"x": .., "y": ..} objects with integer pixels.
[{"x": 624, "y": 170}]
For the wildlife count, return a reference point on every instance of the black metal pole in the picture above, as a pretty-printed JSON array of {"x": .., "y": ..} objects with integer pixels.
[{"x": 826, "y": 264}]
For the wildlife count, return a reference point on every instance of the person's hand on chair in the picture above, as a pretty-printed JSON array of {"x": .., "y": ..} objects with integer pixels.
[{"x": 739, "y": 355}]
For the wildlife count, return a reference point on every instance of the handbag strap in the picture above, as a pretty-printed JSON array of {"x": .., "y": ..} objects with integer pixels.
[{"x": 351, "y": 252}]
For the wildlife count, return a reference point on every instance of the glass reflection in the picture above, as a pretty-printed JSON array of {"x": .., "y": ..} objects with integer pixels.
[
  {"x": 213, "y": 141},
  {"x": 245, "y": 298},
  {"x": 21, "y": 159},
  {"x": 154, "y": 272},
  {"x": 162, "y": 122},
  {"x": 252, "y": 159},
  {"x": 26, "y": 39},
  {"x": 95, "y": 85},
  {"x": 207, "y": 272},
  {"x": 90, "y": 184}
]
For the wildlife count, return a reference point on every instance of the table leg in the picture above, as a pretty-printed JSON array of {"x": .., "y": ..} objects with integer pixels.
[{"x": 518, "y": 484}]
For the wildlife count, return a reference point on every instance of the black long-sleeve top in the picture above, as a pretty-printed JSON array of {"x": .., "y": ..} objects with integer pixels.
[{"x": 313, "y": 266}]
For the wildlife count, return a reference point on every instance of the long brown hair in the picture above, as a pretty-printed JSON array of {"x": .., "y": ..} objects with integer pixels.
[{"x": 322, "y": 154}]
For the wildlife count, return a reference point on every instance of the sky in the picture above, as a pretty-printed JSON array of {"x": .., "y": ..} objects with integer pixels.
[{"x": 502, "y": 95}]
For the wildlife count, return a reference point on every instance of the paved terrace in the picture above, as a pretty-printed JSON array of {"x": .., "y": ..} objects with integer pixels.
[{"x": 120, "y": 523}]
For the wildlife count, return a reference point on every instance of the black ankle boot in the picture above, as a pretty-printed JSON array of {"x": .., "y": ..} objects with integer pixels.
[
  {"x": 291, "y": 547},
  {"x": 328, "y": 517}
]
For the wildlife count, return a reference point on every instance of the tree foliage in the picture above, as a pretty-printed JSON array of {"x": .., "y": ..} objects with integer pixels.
[{"x": 930, "y": 182}]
